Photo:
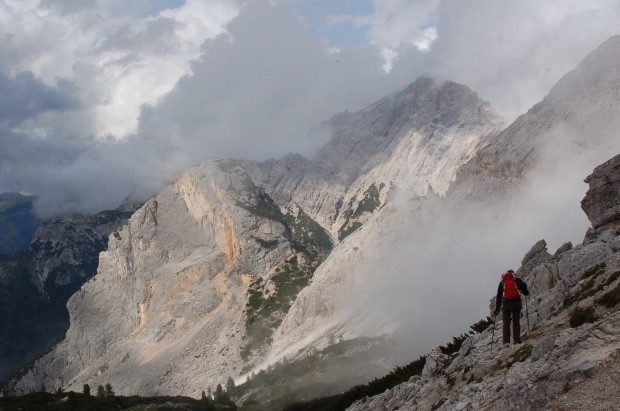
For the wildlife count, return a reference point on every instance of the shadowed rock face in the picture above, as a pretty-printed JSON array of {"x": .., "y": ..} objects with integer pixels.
[{"x": 601, "y": 201}]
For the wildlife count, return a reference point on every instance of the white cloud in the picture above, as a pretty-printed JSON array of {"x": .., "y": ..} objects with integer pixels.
[
  {"x": 117, "y": 54},
  {"x": 513, "y": 52}
]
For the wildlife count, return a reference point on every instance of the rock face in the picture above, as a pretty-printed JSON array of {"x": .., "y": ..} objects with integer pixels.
[
  {"x": 567, "y": 360},
  {"x": 601, "y": 201},
  {"x": 65, "y": 250}
]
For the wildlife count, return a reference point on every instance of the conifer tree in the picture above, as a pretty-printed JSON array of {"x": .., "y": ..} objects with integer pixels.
[
  {"x": 86, "y": 390},
  {"x": 230, "y": 385},
  {"x": 100, "y": 391},
  {"x": 108, "y": 390},
  {"x": 219, "y": 393}
]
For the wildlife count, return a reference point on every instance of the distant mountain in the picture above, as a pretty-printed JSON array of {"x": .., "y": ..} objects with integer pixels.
[
  {"x": 241, "y": 265},
  {"x": 18, "y": 222},
  {"x": 36, "y": 283}
]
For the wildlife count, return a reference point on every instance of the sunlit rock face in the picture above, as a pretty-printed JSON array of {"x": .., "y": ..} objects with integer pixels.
[{"x": 167, "y": 302}]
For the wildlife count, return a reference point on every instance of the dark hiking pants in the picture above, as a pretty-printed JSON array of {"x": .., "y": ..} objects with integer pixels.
[{"x": 511, "y": 310}]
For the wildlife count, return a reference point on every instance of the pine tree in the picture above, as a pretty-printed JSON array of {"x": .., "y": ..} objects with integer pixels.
[
  {"x": 100, "y": 391},
  {"x": 219, "y": 393},
  {"x": 86, "y": 390},
  {"x": 230, "y": 385},
  {"x": 108, "y": 390}
]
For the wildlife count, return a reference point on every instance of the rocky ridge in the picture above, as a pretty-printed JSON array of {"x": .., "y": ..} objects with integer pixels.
[{"x": 571, "y": 357}]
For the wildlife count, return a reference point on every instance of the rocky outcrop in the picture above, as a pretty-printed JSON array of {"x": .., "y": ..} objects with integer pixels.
[
  {"x": 601, "y": 201},
  {"x": 571, "y": 343},
  {"x": 414, "y": 140},
  {"x": 65, "y": 250}
]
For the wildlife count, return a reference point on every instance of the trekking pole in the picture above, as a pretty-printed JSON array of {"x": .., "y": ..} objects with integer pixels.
[
  {"x": 527, "y": 314},
  {"x": 493, "y": 333}
]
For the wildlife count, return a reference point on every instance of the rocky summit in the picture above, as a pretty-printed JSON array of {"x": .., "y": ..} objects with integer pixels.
[
  {"x": 570, "y": 354},
  {"x": 240, "y": 266}
]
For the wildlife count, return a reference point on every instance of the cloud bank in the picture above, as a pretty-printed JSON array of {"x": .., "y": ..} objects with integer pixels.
[{"x": 116, "y": 100}]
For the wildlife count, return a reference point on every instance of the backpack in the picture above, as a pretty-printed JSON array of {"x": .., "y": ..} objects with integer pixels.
[{"x": 510, "y": 286}]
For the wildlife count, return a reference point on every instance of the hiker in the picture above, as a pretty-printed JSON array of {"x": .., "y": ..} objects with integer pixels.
[{"x": 509, "y": 299}]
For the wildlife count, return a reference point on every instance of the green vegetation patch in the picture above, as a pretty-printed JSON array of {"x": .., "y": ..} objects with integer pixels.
[
  {"x": 269, "y": 301},
  {"x": 523, "y": 353},
  {"x": 308, "y": 235},
  {"x": 591, "y": 287},
  {"x": 454, "y": 346},
  {"x": 595, "y": 270},
  {"x": 368, "y": 204},
  {"x": 481, "y": 325},
  {"x": 581, "y": 316},
  {"x": 377, "y": 386}
]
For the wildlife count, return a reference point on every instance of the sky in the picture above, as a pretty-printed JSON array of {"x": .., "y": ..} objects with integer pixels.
[{"x": 104, "y": 100}]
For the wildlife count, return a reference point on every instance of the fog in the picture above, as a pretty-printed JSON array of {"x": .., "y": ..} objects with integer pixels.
[{"x": 427, "y": 281}]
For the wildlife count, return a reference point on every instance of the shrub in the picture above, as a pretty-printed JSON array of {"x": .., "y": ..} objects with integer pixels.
[
  {"x": 581, "y": 316},
  {"x": 481, "y": 325},
  {"x": 454, "y": 346},
  {"x": 611, "y": 298}
]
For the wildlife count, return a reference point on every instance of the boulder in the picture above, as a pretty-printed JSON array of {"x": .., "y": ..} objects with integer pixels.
[{"x": 601, "y": 201}]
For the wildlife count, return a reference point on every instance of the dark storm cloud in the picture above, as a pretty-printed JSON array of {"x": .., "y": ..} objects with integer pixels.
[{"x": 23, "y": 97}]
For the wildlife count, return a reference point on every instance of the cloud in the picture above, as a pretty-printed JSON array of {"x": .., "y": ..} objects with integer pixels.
[
  {"x": 513, "y": 52},
  {"x": 135, "y": 96},
  {"x": 118, "y": 54},
  {"x": 23, "y": 96},
  {"x": 257, "y": 93}
]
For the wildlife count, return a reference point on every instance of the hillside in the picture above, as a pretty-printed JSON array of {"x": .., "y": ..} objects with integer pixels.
[{"x": 570, "y": 357}]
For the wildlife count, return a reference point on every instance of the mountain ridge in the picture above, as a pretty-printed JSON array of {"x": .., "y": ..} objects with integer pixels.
[{"x": 229, "y": 265}]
